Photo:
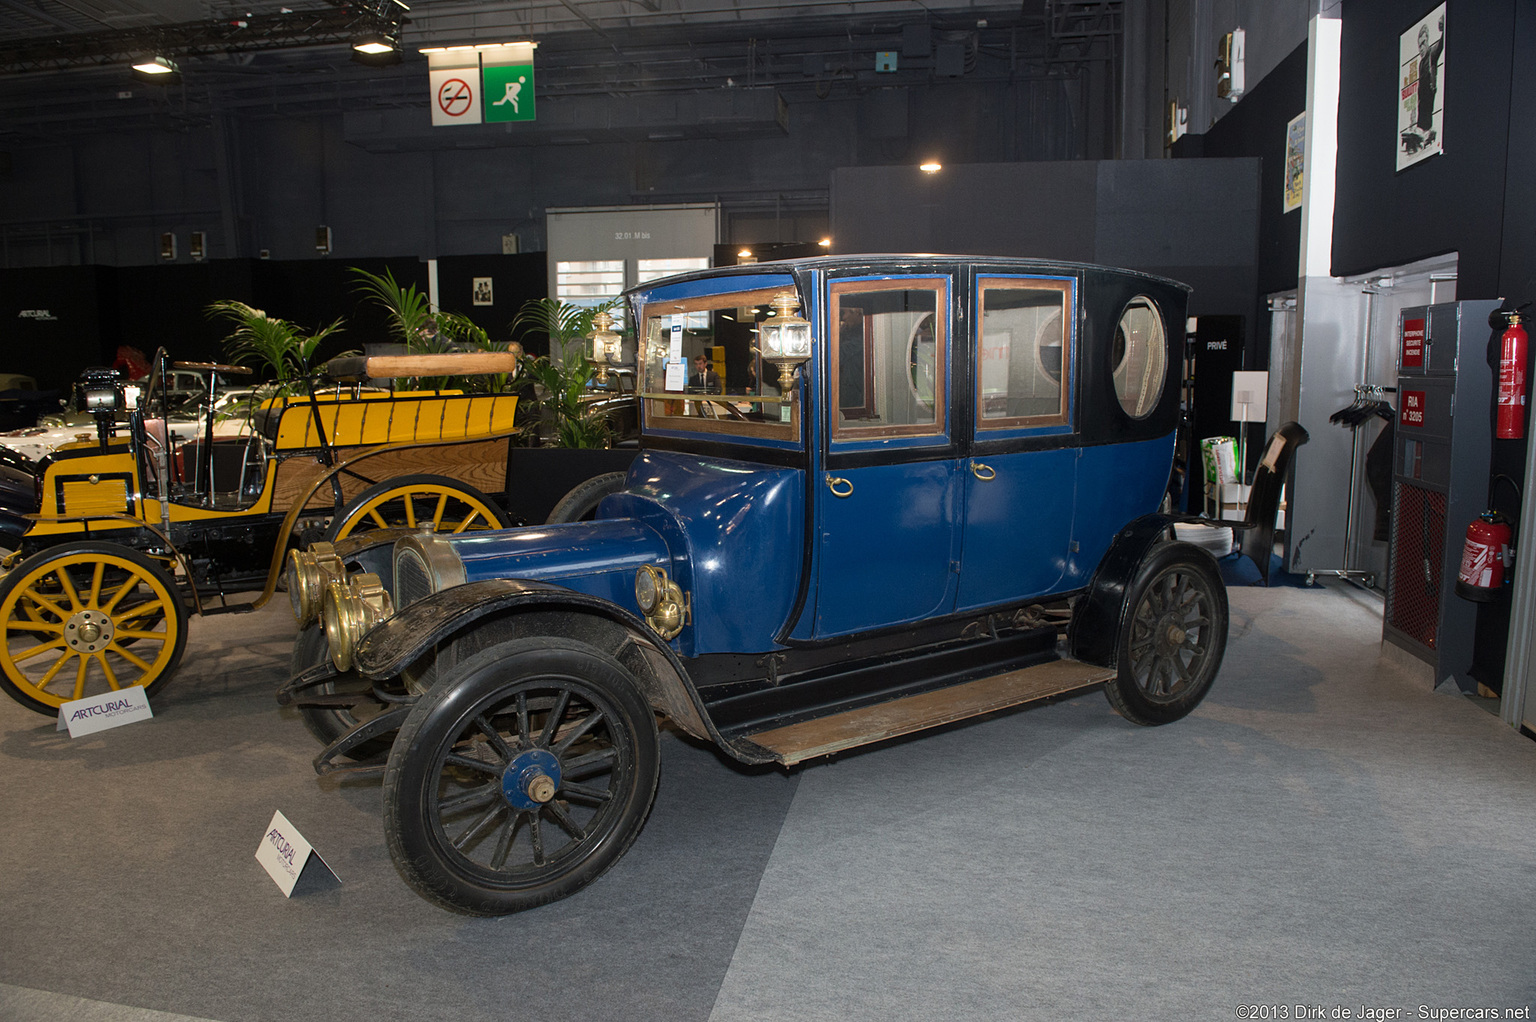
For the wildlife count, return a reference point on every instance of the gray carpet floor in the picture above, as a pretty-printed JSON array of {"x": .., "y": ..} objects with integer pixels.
[{"x": 1323, "y": 831}]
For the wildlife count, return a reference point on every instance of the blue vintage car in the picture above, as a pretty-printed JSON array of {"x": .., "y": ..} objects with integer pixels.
[{"x": 874, "y": 495}]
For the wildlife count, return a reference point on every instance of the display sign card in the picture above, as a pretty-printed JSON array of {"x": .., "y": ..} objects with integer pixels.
[
  {"x": 677, "y": 375},
  {"x": 110, "y": 709},
  {"x": 1413, "y": 343},
  {"x": 675, "y": 339},
  {"x": 1412, "y": 413},
  {"x": 284, "y": 852}
]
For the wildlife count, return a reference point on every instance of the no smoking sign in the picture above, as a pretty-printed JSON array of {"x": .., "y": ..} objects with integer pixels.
[
  {"x": 455, "y": 97},
  {"x": 455, "y": 93}
]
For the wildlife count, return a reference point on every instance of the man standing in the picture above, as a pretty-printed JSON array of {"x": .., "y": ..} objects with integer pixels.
[{"x": 704, "y": 380}]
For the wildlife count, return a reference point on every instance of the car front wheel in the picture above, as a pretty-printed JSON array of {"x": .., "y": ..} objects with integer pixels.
[{"x": 521, "y": 777}]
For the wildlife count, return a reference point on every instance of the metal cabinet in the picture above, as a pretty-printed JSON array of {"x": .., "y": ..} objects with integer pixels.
[{"x": 1439, "y": 479}]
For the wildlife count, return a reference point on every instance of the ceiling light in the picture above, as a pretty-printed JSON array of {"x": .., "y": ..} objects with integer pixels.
[
  {"x": 156, "y": 65},
  {"x": 376, "y": 48},
  {"x": 825, "y": 243},
  {"x": 931, "y": 167}
]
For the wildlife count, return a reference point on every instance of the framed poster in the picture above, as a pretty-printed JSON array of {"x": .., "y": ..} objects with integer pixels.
[
  {"x": 1295, "y": 151},
  {"x": 482, "y": 291},
  {"x": 1421, "y": 90}
]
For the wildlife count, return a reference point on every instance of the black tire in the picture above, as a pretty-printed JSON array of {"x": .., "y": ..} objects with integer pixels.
[
  {"x": 580, "y": 503},
  {"x": 52, "y": 600},
  {"x": 1172, "y": 636},
  {"x": 511, "y": 714},
  {"x": 408, "y": 500}
]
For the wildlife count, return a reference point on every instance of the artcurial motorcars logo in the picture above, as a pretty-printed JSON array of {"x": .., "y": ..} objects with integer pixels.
[
  {"x": 110, "y": 709},
  {"x": 43, "y": 314},
  {"x": 285, "y": 849}
]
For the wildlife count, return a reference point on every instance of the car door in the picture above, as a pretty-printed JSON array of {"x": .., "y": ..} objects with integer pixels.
[
  {"x": 888, "y": 499},
  {"x": 1020, "y": 482}
]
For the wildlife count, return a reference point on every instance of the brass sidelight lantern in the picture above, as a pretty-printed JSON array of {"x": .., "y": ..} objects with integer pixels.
[
  {"x": 604, "y": 344},
  {"x": 785, "y": 340}
]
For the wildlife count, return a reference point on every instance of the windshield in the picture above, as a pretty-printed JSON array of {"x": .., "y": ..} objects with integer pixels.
[{"x": 700, "y": 368}]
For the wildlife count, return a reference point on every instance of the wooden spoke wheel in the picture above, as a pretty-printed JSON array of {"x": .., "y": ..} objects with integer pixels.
[
  {"x": 418, "y": 502},
  {"x": 520, "y": 777},
  {"x": 1173, "y": 636},
  {"x": 85, "y": 619}
]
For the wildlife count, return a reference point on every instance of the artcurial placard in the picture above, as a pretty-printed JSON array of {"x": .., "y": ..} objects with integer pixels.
[{"x": 1421, "y": 90}]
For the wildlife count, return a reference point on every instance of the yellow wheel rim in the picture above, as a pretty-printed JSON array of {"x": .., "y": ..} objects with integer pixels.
[
  {"x": 87, "y": 623},
  {"x": 418, "y": 505}
]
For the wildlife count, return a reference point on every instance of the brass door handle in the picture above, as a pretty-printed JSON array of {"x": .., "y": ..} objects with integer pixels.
[
  {"x": 839, "y": 486},
  {"x": 986, "y": 473}
]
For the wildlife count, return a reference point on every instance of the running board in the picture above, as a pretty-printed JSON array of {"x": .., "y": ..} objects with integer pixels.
[{"x": 850, "y": 729}]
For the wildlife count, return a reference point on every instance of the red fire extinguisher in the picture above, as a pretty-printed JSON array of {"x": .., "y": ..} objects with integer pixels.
[
  {"x": 1488, "y": 553},
  {"x": 1514, "y": 347},
  {"x": 1483, "y": 558}
]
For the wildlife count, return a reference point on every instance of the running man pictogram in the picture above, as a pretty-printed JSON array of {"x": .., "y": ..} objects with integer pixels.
[{"x": 513, "y": 88}]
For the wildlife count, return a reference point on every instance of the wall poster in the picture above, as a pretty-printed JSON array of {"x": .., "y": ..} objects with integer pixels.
[
  {"x": 1421, "y": 90},
  {"x": 1295, "y": 151}
]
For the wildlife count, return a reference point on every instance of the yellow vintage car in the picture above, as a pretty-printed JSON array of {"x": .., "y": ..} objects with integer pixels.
[{"x": 153, "y": 520}]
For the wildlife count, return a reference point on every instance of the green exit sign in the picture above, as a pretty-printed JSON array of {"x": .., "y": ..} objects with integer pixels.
[{"x": 508, "y": 92}]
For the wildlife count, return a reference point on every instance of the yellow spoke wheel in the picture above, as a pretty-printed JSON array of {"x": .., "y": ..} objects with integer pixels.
[
  {"x": 418, "y": 502},
  {"x": 84, "y": 619}
]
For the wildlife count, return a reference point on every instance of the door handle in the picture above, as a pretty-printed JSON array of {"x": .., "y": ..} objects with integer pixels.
[
  {"x": 986, "y": 473},
  {"x": 839, "y": 486}
]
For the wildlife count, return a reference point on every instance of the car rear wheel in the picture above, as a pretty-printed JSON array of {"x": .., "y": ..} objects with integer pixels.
[
  {"x": 1172, "y": 638},
  {"x": 521, "y": 777},
  {"x": 418, "y": 501}
]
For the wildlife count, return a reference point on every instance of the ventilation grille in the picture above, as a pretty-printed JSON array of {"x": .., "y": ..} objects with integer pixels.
[{"x": 1418, "y": 548}]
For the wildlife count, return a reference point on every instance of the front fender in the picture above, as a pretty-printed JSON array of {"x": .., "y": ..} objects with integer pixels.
[
  {"x": 1094, "y": 635},
  {"x": 395, "y": 644}
]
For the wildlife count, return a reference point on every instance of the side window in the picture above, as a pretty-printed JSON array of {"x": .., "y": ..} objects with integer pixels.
[
  {"x": 698, "y": 370},
  {"x": 889, "y": 357},
  {"x": 1023, "y": 352},
  {"x": 1139, "y": 358}
]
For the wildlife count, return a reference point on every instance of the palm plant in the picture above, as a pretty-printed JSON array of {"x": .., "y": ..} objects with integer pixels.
[
  {"x": 428, "y": 331},
  {"x": 284, "y": 348},
  {"x": 410, "y": 313},
  {"x": 564, "y": 379}
]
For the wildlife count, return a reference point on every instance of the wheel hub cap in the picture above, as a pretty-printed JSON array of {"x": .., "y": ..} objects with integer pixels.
[
  {"x": 531, "y": 779},
  {"x": 88, "y": 631},
  {"x": 1172, "y": 636}
]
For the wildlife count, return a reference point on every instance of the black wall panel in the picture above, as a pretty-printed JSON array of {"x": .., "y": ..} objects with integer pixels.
[
  {"x": 1192, "y": 220},
  {"x": 1256, "y": 127},
  {"x": 1446, "y": 203},
  {"x": 50, "y": 324},
  {"x": 515, "y": 279}
]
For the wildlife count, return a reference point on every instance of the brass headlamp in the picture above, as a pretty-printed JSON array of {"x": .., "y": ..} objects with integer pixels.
[
  {"x": 663, "y": 603},
  {"x": 308, "y": 574},
  {"x": 351, "y": 609}
]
